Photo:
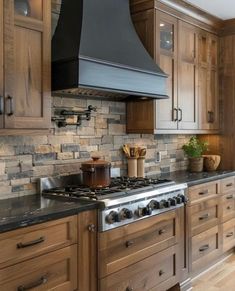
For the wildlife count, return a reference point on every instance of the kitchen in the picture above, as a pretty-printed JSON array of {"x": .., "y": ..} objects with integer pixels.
[{"x": 139, "y": 111}]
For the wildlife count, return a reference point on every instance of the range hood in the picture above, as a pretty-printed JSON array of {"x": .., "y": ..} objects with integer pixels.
[{"x": 96, "y": 52}]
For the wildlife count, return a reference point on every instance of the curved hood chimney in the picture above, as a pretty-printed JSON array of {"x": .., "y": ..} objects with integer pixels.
[{"x": 96, "y": 52}]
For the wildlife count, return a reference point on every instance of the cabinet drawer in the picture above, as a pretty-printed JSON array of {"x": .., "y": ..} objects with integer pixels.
[
  {"x": 228, "y": 235},
  {"x": 157, "y": 272},
  {"x": 227, "y": 185},
  {"x": 129, "y": 244},
  {"x": 205, "y": 247},
  {"x": 203, "y": 191},
  {"x": 16, "y": 246},
  {"x": 54, "y": 271},
  {"x": 228, "y": 206},
  {"x": 204, "y": 215}
]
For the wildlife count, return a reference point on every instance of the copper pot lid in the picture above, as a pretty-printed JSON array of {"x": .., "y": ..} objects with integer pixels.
[{"x": 96, "y": 162}]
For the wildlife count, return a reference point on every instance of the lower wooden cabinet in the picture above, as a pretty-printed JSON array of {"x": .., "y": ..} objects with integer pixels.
[
  {"x": 157, "y": 272},
  {"x": 53, "y": 271},
  {"x": 228, "y": 231}
]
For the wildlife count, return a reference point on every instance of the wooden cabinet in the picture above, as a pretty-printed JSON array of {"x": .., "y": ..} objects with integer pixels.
[
  {"x": 228, "y": 231},
  {"x": 42, "y": 257},
  {"x": 25, "y": 102},
  {"x": 191, "y": 64}
]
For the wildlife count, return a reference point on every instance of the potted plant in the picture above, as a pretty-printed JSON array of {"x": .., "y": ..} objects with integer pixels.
[{"x": 194, "y": 150}]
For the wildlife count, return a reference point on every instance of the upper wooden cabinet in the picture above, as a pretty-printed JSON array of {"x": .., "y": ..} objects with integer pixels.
[
  {"x": 25, "y": 101},
  {"x": 178, "y": 48}
]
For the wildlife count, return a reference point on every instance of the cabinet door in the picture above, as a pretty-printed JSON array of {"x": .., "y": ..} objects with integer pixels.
[
  {"x": 27, "y": 63},
  {"x": 188, "y": 76},
  {"x": 1, "y": 64},
  {"x": 166, "y": 54}
]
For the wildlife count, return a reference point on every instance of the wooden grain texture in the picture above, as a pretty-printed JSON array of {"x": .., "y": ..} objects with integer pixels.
[
  {"x": 146, "y": 238},
  {"x": 56, "y": 234},
  {"x": 1, "y": 64},
  {"x": 58, "y": 267},
  {"x": 87, "y": 251},
  {"x": 228, "y": 232},
  {"x": 156, "y": 273},
  {"x": 27, "y": 57}
]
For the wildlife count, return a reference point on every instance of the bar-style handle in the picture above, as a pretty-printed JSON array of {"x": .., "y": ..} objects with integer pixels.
[
  {"x": 204, "y": 248},
  {"x": 41, "y": 281},
  {"x": 129, "y": 243},
  {"x": 181, "y": 114},
  {"x": 161, "y": 231},
  {"x": 230, "y": 234},
  {"x": 31, "y": 243},
  {"x": 10, "y": 106},
  {"x": 203, "y": 192},
  {"x": 205, "y": 216},
  {"x": 1, "y": 105},
  {"x": 229, "y": 197},
  {"x": 175, "y": 115},
  {"x": 161, "y": 272},
  {"x": 229, "y": 184}
]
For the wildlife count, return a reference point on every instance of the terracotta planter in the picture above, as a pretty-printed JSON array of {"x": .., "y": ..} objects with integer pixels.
[
  {"x": 211, "y": 162},
  {"x": 196, "y": 165}
]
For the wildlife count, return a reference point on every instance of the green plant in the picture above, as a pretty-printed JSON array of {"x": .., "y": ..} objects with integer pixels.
[{"x": 194, "y": 148}]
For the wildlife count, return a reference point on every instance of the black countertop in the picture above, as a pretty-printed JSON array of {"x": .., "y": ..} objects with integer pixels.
[
  {"x": 29, "y": 210},
  {"x": 197, "y": 178}
]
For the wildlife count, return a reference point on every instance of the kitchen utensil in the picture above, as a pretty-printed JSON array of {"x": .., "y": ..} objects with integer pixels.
[
  {"x": 142, "y": 152},
  {"x": 22, "y": 7},
  {"x": 96, "y": 173},
  {"x": 126, "y": 150}
]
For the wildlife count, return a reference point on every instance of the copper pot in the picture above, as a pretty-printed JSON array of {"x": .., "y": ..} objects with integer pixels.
[{"x": 96, "y": 173}]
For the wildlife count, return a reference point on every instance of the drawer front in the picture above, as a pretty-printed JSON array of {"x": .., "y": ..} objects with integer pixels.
[
  {"x": 203, "y": 191},
  {"x": 129, "y": 244},
  {"x": 204, "y": 215},
  {"x": 28, "y": 242},
  {"x": 228, "y": 231},
  {"x": 228, "y": 206},
  {"x": 227, "y": 185},
  {"x": 158, "y": 272},
  {"x": 206, "y": 246},
  {"x": 54, "y": 271}
]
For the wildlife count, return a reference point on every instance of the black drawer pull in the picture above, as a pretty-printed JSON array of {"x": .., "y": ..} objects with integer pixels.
[
  {"x": 10, "y": 107},
  {"x": 129, "y": 289},
  {"x": 229, "y": 185},
  {"x": 129, "y": 243},
  {"x": 41, "y": 281},
  {"x": 161, "y": 272},
  {"x": 1, "y": 105},
  {"x": 91, "y": 228},
  {"x": 229, "y": 234},
  {"x": 229, "y": 208},
  {"x": 229, "y": 197},
  {"x": 203, "y": 192},
  {"x": 205, "y": 216},
  {"x": 161, "y": 231},
  {"x": 31, "y": 243},
  {"x": 204, "y": 248}
]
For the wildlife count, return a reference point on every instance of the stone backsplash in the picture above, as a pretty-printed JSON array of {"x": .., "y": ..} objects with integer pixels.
[{"x": 23, "y": 159}]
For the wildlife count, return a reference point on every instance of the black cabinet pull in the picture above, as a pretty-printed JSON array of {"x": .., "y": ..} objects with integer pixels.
[
  {"x": 211, "y": 118},
  {"x": 229, "y": 234},
  {"x": 10, "y": 107},
  {"x": 204, "y": 248},
  {"x": 205, "y": 216},
  {"x": 229, "y": 185},
  {"x": 229, "y": 208},
  {"x": 203, "y": 192},
  {"x": 41, "y": 281},
  {"x": 161, "y": 272},
  {"x": 92, "y": 228},
  {"x": 175, "y": 115},
  {"x": 161, "y": 231},
  {"x": 31, "y": 243},
  {"x": 129, "y": 289},
  {"x": 129, "y": 243},
  {"x": 229, "y": 197},
  {"x": 1, "y": 105},
  {"x": 181, "y": 114}
]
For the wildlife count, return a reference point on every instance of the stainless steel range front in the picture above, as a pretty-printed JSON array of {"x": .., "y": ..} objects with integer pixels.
[{"x": 125, "y": 201}]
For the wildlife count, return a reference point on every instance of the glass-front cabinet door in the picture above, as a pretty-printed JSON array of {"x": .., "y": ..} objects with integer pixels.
[
  {"x": 166, "y": 110},
  {"x": 27, "y": 58}
]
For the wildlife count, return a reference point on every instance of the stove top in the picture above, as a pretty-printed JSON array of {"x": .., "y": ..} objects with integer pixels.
[{"x": 119, "y": 186}]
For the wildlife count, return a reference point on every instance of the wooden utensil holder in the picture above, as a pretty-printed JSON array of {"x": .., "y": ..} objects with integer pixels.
[
  {"x": 132, "y": 167},
  {"x": 140, "y": 167}
]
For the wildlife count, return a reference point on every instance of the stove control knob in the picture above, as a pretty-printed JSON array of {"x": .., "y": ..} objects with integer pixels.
[
  {"x": 112, "y": 217},
  {"x": 126, "y": 213},
  {"x": 153, "y": 204},
  {"x": 162, "y": 204},
  {"x": 173, "y": 201},
  {"x": 178, "y": 199},
  {"x": 184, "y": 199},
  {"x": 167, "y": 203},
  {"x": 143, "y": 211}
]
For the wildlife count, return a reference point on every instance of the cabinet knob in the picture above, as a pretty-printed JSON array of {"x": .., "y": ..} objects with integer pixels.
[
  {"x": 92, "y": 228},
  {"x": 129, "y": 289}
]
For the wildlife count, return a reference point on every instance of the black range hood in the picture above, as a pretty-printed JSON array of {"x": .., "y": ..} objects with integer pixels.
[{"x": 96, "y": 52}]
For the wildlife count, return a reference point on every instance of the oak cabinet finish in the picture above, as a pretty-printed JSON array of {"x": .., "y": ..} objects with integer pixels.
[
  {"x": 228, "y": 231},
  {"x": 27, "y": 57}
]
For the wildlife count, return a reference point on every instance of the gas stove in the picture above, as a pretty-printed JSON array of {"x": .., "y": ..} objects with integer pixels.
[{"x": 125, "y": 201}]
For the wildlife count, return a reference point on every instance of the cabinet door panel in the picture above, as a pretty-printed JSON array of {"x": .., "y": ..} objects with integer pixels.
[
  {"x": 188, "y": 77},
  {"x": 1, "y": 65},
  {"x": 27, "y": 66}
]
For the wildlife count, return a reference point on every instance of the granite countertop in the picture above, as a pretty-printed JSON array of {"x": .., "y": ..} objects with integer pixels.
[
  {"x": 193, "y": 179},
  {"x": 29, "y": 210}
]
